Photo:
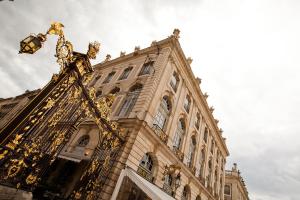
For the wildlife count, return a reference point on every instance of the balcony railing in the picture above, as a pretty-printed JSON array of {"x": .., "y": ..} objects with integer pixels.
[
  {"x": 168, "y": 189},
  {"x": 162, "y": 135},
  {"x": 145, "y": 173}
]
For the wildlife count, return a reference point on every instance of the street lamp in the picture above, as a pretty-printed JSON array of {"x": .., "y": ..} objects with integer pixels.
[{"x": 32, "y": 43}]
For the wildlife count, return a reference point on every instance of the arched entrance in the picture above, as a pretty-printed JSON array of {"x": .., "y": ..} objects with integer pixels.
[{"x": 59, "y": 179}]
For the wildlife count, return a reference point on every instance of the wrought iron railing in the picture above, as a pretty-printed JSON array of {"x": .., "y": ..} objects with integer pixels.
[
  {"x": 168, "y": 189},
  {"x": 146, "y": 174},
  {"x": 158, "y": 131}
]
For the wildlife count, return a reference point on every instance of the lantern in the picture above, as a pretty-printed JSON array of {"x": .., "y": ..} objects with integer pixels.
[{"x": 32, "y": 43}]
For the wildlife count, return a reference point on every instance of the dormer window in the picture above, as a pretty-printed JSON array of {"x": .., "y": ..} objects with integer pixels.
[
  {"x": 187, "y": 103},
  {"x": 146, "y": 69},
  {"x": 174, "y": 81}
]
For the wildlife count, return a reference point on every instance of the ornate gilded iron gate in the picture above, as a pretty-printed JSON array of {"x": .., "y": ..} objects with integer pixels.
[{"x": 44, "y": 127}]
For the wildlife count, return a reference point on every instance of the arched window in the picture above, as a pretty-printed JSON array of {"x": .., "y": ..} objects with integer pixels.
[
  {"x": 109, "y": 77},
  {"x": 209, "y": 171},
  {"x": 202, "y": 161},
  {"x": 147, "y": 162},
  {"x": 168, "y": 184},
  {"x": 197, "y": 122},
  {"x": 147, "y": 68},
  {"x": 227, "y": 190},
  {"x": 186, "y": 193},
  {"x": 212, "y": 146},
  {"x": 115, "y": 90},
  {"x": 205, "y": 135},
  {"x": 125, "y": 73},
  {"x": 145, "y": 168},
  {"x": 163, "y": 113},
  {"x": 190, "y": 156},
  {"x": 174, "y": 81},
  {"x": 130, "y": 100},
  {"x": 179, "y": 134},
  {"x": 83, "y": 141},
  {"x": 216, "y": 180},
  {"x": 187, "y": 103},
  {"x": 198, "y": 197}
]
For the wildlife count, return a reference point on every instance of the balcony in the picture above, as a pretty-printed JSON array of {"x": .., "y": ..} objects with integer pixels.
[
  {"x": 161, "y": 134},
  {"x": 145, "y": 174}
]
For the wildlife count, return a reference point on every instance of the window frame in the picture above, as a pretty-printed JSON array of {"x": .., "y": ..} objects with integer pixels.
[{"x": 109, "y": 77}]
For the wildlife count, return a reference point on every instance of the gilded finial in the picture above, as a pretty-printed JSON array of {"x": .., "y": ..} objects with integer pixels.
[
  {"x": 94, "y": 48},
  {"x": 56, "y": 29}
]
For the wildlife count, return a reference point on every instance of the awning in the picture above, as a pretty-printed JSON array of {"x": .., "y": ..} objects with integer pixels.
[{"x": 148, "y": 188}]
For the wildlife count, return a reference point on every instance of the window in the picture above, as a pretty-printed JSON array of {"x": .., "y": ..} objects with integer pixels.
[
  {"x": 146, "y": 69},
  {"x": 212, "y": 146},
  {"x": 98, "y": 93},
  {"x": 205, "y": 135},
  {"x": 185, "y": 193},
  {"x": 197, "y": 122},
  {"x": 227, "y": 190},
  {"x": 163, "y": 113},
  {"x": 83, "y": 141},
  {"x": 187, "y": 103},
  {"x": 179, "y": 134},
  {"x": 174, "y": 81},
  {"x": 147, "y": 162},
  {"x": 202, "y": 161},
  {"x": 168, "y": 179},
  {"x": 198, "y": 197},
  {"x": 130, "y": 100},
  {"x": 109, "y": 77},
  {"x": 209, "y": 171},
  {"x": 125, "y": 73},
  {"x": 115, "y": 90},
  {"x": 191, "y": 153}
]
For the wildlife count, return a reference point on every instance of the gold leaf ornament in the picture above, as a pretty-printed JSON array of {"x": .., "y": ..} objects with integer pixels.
[{"x": 56, "y": 29}]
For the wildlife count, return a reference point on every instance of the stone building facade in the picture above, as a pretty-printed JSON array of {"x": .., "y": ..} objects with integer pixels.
[
  {"x": 235, "y": 188},
  {"x": 173, "y": 140}
]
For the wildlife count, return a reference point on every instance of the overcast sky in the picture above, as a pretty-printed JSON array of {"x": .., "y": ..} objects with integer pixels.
[{"x": 246, "y": 52}]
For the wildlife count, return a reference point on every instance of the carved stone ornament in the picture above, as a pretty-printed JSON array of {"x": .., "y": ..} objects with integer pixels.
[
  {"x": 176, "y": 33},
  {"x": 122, "y": 53},
  {"x": 189, "y": 60},
  {"x": 206, "y": 95}
]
